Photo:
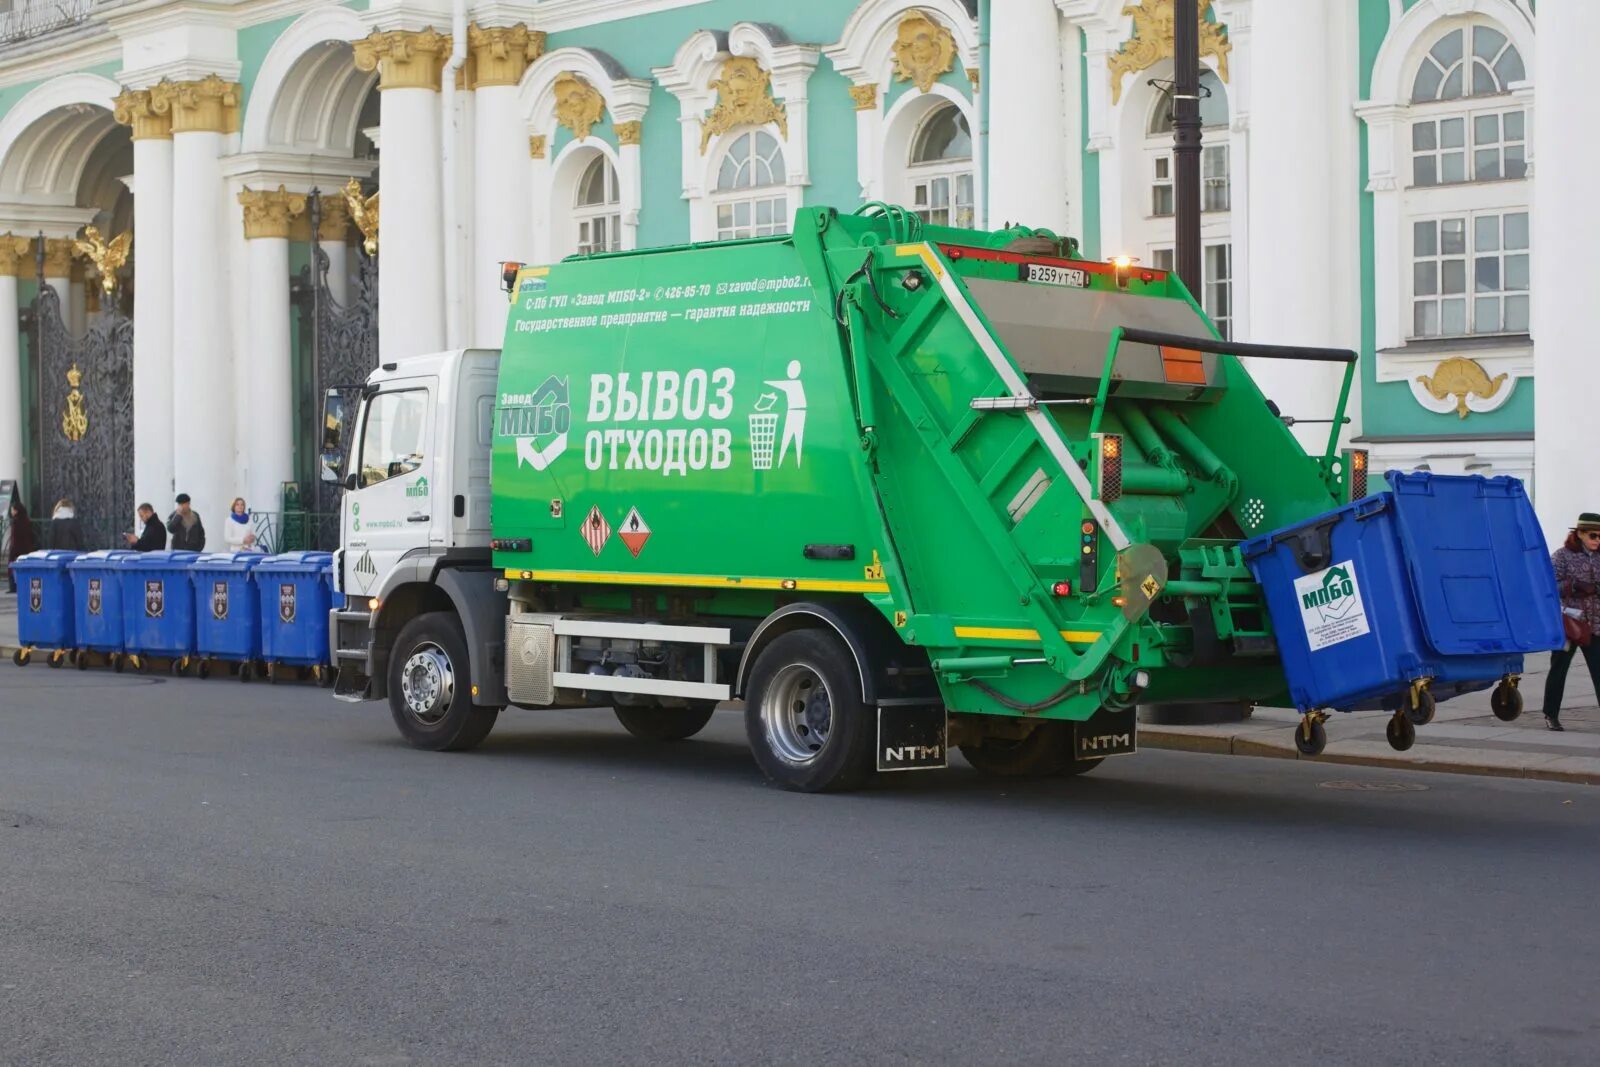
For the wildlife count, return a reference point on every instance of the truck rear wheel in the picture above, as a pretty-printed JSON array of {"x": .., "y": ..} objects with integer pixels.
[
  {"x": 1044, "y": 752},
  {"x": 654, "y": 723},
  {"x": 430, "y": 686},
  {"x": 808, "y": 727}
]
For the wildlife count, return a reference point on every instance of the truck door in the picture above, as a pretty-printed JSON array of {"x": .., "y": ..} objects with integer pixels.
[{"x": 390, "y": 510}]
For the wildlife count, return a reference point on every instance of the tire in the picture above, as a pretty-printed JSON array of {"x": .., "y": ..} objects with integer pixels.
[
  {"x": 245, "y": 671},
  {"x": 80, "y": 660},
  {"x": 804, "y": 717},
  {"x": 21, "y": 657},
  {"x": 654, "y": 723},
  {"x": 430, "y": 686},
  {"x": 1044, "y": 752},
  {"x": 203, "y": 669}
]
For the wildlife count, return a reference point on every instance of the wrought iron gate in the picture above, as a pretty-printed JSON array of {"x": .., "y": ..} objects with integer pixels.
[
  {"x": 342, "y": 342},
  {"x": 84, "y": 432}
]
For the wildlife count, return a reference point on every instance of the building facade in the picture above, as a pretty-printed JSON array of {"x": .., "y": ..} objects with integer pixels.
[{"x": 1374, "y": 178}]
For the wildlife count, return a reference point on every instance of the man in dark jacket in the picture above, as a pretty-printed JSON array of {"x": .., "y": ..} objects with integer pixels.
[
  {"x": 153, "y": 538},
  {"x": 188, "y": 534}
]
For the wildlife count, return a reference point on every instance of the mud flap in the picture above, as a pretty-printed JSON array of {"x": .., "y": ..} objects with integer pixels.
[
  {"x": 911, "y": 736},
  {"x": 1109, "y": 733}
]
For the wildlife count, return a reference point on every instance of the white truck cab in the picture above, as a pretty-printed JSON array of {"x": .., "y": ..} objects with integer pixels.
[{"x": 414, "y": 523}]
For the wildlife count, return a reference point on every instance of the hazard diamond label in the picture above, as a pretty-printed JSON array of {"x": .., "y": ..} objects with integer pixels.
[
  {"x": 596, "y": 530},
  {"x": 634, "y": 532}
]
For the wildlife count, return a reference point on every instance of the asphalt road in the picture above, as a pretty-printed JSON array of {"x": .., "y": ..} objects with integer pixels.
[{"x": 208, "y": 873}]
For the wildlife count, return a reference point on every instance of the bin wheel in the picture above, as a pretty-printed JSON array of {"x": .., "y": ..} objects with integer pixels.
[
  {"x": 21, "y": 657},
  {"x": 1506, "y": 702},
  {"x": 141, "y": 664},
  {"x": 244, "y": 672},
  {"x": 1311, "y": 737},
  {"x": 117, "y": 663},
  {"x": 177, "y": 667},
  {"x": 80, "y": 659},
  {"x": 203, "y": 669},
  {"x": 1401, "y": 733},
  {"x": 325, "y": 676},
  {"x": 1421, "y": 707},
  {"x": 55, "y": 659},
  {"x": 272, "y": 674}
]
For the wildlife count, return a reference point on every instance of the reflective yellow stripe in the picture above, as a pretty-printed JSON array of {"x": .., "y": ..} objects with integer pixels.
[
  {"x": 709, "y": 581},
  {"x": 924, "y": 253},
  {"x": 993, "y": 633}
]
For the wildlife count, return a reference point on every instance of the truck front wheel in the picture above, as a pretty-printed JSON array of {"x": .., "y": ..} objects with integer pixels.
[
  {"x": 430, "y": 686},
  {"x": 651, "y": 723},
  {"x": 1046, "y": 750},
  {"x": 808, "y": 727}
]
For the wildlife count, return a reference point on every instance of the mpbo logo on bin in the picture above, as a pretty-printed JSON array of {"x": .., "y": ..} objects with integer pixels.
[
  {"x": 1330, "y": 605},
  {"x": 155, "y": 598},
  {"x": 219, "y": 600},
  {"x": 286, "y": 601}
]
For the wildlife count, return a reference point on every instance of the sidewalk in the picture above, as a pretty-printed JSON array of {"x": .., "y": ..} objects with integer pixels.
[{"x": 1464, "y": 737}]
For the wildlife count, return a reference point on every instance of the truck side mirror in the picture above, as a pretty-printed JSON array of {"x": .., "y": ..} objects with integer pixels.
[{"x": 334, "y": 418}]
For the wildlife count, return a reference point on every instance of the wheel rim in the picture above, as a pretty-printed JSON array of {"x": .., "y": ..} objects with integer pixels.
[
  {"x": 428, "y": 683},
  {"x": 797, "y": 714}
]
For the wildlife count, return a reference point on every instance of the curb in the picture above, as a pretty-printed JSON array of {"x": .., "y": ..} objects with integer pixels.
[{"x": 1492, "y": 763}]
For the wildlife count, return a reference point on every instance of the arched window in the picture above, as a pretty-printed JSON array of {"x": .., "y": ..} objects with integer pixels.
[
  {"x": 1467, "y": 133},
  {"x": 940, "y": 169},
  {"x": 751, "y": 199},
  {"x": 1494, "y": 63},
  {"x": 597, "y": 208},
  {"x": 1215, "y": 191}
]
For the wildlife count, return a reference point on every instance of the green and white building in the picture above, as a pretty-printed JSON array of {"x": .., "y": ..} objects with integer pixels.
[{"x": 1403, "y": 177}]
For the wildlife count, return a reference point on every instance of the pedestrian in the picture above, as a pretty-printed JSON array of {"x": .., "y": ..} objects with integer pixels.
[
  {"x": 153, "y": 537},
  {"x": 19, "y": 541},
  {"x": 1577, "y": 565},
  {"x": 188, "y": 532},
  {"x": 236, "y": 532},
  {"x": 64, "y": 529}
]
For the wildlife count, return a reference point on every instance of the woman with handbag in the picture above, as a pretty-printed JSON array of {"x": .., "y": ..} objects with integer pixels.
[{"x": 1577, "y": 565}]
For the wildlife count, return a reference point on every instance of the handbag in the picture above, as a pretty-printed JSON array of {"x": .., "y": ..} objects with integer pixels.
[{"x": 1577, "y": 630}]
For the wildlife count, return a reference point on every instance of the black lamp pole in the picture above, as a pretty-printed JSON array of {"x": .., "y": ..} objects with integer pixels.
[{"x": 1186, "y": 140}]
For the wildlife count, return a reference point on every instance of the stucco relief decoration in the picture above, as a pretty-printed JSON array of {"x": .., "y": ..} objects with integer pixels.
[
  {"x": 744, "y": 98},
  {"x": 74, "y": 419},
  {"x": 1153, "y": 25},
  {"x": 364, "y": 213},
  {"x": 923, "y": 50},
  {"x": 1460, "y": 377},
  {"x": 579, "y": 105},
  {"x": 107, "y": 257}
]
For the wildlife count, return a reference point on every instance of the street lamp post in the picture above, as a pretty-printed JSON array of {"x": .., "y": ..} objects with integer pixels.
[{"x": 1186, "y": 140}]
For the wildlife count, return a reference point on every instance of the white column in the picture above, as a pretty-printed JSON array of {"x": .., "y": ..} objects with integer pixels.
[
  {"x": 338, "y": 253},
  {"x": 1295, "y": 180},
  {"x": 268, "y": 438},
  {"x": 153, "y": 307},
  {"x": 1025, "y": 101},
  {"x": 13, "y": 259},
  {"x": 1566, "y": 232},
  {"x": 503, "y": 222}
]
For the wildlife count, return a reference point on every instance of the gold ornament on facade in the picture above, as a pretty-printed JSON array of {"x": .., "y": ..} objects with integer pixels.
[
  {"x": 74, "y": 420},
  {"x": 864, "y": 97},
  {"x": 579, "y": 105},
  {"x": 404, "y": 59},
  {"x": 134, "y": 108},
  {"x": 58, "y": 252},
  {"x": 975, "y": 76},
  {"x": 536, "y": 146},
  {"x": 629, "y": 132},
  {"x": 501, "y": 54},
  {"x": 364, "y": 213},
  {"x": 923, "y": 50},
  {"x": 743, "y": 99},
  {"x": 208, "y": 104},
  {"x": 15, "y": 260},
  {"x": 335, "y": 223},
  {"x": 271, "y": 214},
  {"x": 1153, "y": 25},
  {"x": 107, "y": 257},
  {"x": 1460, "y": 377}
]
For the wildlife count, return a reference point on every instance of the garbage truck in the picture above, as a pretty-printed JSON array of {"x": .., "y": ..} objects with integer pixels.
[{"x": 896, "y": 487}]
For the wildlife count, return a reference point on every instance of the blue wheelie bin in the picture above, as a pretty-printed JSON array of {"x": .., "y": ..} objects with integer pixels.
[
  {"x": 44, "y": 606},
  {"x": 158, "y": 608},
  {"x": 97, "y": 606},
  {"x": 227, "y": 617},
  {"x": 1432, "y": 589},
  {"x": 296, "y": 595}
]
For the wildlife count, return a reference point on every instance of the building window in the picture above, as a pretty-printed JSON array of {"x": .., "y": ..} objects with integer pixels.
[
  {"x": 1444, "y": 75},
  {"x": 941, "y": 176},
  {"x": 1163, "y": 200},
  {"x": 597, "y": 209},
  {"x": 751, "y": 200},
  {"x": 1217, "y": 295},
  {"x": 1460, "y": 142},
  {"x": 1215, "y": 194},
  {"x": 1490, "y": 248}
]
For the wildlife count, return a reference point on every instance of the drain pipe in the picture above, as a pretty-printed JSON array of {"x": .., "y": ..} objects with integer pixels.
[{"x": 449, "y": 154}]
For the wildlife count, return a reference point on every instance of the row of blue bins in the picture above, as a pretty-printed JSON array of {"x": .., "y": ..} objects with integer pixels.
[{"x": 254, "y": 613}]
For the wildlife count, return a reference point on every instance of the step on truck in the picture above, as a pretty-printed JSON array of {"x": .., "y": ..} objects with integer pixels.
[{"x": 896, "y": 487}]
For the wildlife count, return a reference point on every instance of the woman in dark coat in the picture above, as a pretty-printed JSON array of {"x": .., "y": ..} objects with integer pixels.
[
  {"x": 19, "y": 541},
  {"x": 65, "y": 532},
  {"x": 1577, "y": 565}
]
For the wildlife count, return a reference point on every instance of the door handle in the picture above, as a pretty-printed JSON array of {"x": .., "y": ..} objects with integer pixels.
[{"x": 417, "y": 517}]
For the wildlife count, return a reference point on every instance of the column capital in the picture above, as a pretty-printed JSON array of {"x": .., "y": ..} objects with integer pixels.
[
  {"x": 207, "y": 104},
  {"x": 270, "y": 214},
  {"x": 135, "y": 108},
  {"x": 16, "y": 259},
  {"x": 404, "y": 59},
  {"x": 864, "y": 97},
  {"x": 629, "y": 132},
  {"x": 502, "y": 53},
  {"x": 334, "y": 226},
  {"x": 58, "y": 253}
]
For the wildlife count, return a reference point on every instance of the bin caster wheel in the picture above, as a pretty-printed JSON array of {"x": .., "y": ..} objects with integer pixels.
[
  {"x": 272, "y": 674},
  {"x": 1401, "y": 733},
  {"x": 179, "y": 667},
  {"x": 141, "y": 664},
  {"x": 116, "y": 662},
  {"x": 80, "y": 659},
  {"x": 1311, "y": 737},
  {"x": 21, "y": 657},
  {"x": 1420, "y": 708},
  {"x": 203, "y": 670},
  {"x": 244, "y": 672},
  {"x": 1506, "y": 702},
  {"x": 55, "y": 659}
]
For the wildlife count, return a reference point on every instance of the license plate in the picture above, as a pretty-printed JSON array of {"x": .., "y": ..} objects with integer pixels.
[{"x": 1046, "y": 274}]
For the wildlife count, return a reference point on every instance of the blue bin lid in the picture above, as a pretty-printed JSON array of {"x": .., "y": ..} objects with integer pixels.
[
  {"x": 228, "y": 561},
  {"x": 164, "y": 560},
  {"x": 298, "y": 562},
  {"x": 47, "y": 556},
  {"x": 105, "y": 557}
]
